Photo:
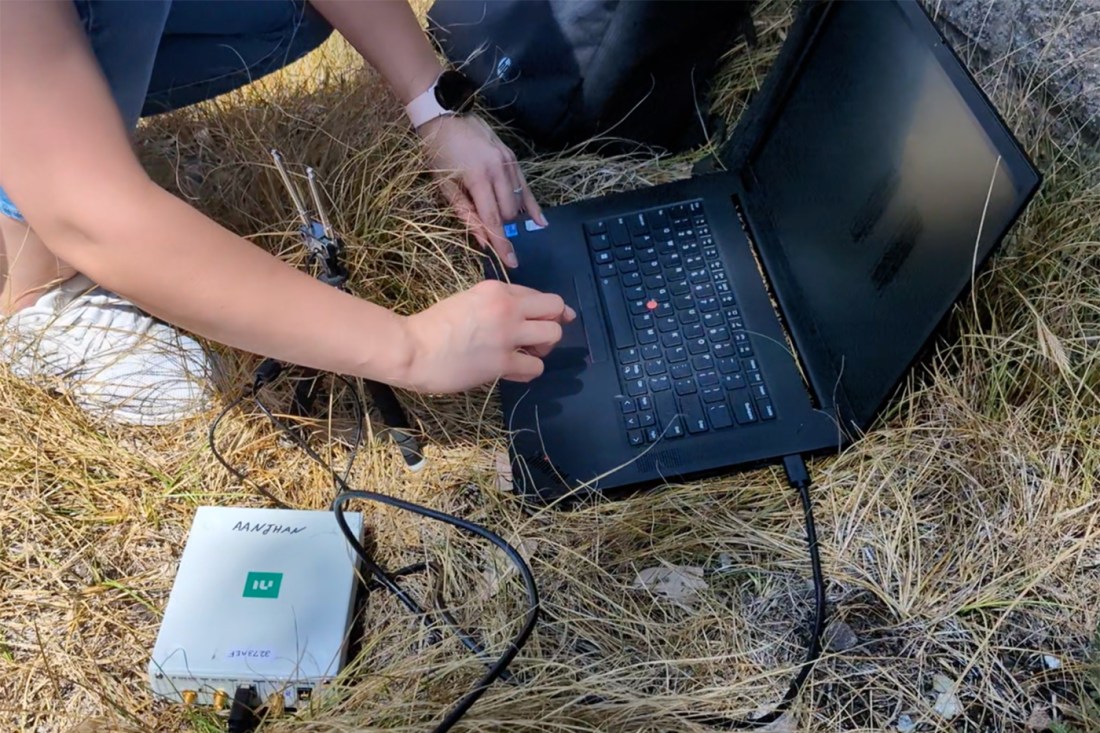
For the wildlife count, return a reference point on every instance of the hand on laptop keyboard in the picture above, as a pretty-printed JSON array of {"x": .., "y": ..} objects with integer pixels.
[{"x": 490, "y": 331}]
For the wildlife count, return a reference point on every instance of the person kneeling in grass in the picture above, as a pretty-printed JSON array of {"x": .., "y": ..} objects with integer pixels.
[{"x": 102, "y": 271}]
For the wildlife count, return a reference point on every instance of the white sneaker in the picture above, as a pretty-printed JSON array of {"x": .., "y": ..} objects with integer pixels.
[{"x": 113, "y": 360}]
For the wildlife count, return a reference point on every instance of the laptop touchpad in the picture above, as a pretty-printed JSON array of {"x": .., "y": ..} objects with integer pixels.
[{"x": 583, "y": 341}]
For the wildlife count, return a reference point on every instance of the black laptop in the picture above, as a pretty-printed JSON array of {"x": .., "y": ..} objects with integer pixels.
[{"x": 739, "y": 317}]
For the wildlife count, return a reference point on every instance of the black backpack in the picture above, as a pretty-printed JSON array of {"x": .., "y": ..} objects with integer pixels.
[{"x": 564, "y": 71}]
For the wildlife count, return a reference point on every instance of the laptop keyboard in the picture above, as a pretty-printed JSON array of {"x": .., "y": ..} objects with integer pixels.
[{"x": 686, "y": 364}]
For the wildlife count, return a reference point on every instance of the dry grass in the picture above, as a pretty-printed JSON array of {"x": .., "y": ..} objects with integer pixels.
[{"x": 960, "y": 535}]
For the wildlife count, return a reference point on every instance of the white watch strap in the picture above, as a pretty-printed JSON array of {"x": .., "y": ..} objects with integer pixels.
[{"x": 425, "y": 108}]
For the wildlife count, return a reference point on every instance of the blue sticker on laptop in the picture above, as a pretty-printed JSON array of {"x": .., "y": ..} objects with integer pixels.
[{"x": 510, "y": 230}]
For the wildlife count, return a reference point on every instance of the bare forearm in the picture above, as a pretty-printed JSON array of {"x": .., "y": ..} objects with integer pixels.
[
  {"x": 187, "y": 270},
  {"x": 389, "y": 37}
]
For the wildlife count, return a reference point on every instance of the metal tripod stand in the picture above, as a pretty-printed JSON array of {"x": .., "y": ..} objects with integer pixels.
[{"x": 324, "y": 249}]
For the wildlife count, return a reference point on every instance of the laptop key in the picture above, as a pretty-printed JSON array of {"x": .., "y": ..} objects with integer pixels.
[
  {"x": 728, "y": 366},
  {"x": 637, "y": 224},
  {"x": 659, "y": 218},
  {"x": 719, "y": 416},
  {"x": 723, "y": 350},
  {"x": 697, "y": 346},
  {"x": 645, "y": 402},
  {"x": 685, "y": 386},
  {"x": 719, "y": 333},
  {"x": 671, "y": 259},
  {"x": 733, "y": 381},
  {"x": 660, "y": 384},
  {"x": 712, "y": 320},
  {"x": 635, "y": 437},
  {"x": 680, "y": 371},
  {"x": 707, "y": 378},
  {"x": 767, "y": 412},
  {"x": 750, "y": 365},
  {"x": 621, "y": 332},
  {"x": 665, "y": 325},
  {"x": 627, "y": 406},
  {"x": 680, "y": 288},
  {"x": 631, "y": 279},
  {"x": 711, "y": 253},
  {"x": 713, "y": 395},
  {"x": 676, "y": 274},
  {"x": 637, "y": 292},
  {"x": 651, "y": 351},
  {"x": 638, "y": 307},
  {"x": 693, "y": 331},
  {"x": 595, "y": 227},
  {"x": 682, "y": 302},
  {"x": 744, "y": 350},
  {"x": 647, "y": 419},
  {"x": 661, "y": 295},
  {"x": 706, "y": 305},
  {"x": 628, "y": 356},
  {"x": 621, "y": 253},
  {"x": 668, "y": 414},
  {"x": 654, "y": 282},
  {"x": 691, "y": 315},
  {"x": 698, "y": 276},
  {"x": 651, "y": 267},
  {"x": 694, "y": 417},
  {"x": 670, "y": 339},
  {"x": 702, "y": 362},
  {"x": 630, "y": 265},
  {"x": 632, "y": 371},
  {"x": 631, "y": 421},
  {"x": 704, "y": 290},
  {"x": 643, "y": 321},
  {"x": 652, "y": 434},
  {"x": 598, "y": 242},
  {"x": 655, "y": 367},
  {"x": 677, "y": 354},
  {"x": 602, "y": 258},
  {"x": 616, "y": 229},
  {"x": 648, "y": 336},
  {"x": 744, "y": 411},
  {"x": 759, "y": 391},
  {"x": 636, "y": 387},
  {"x": 606, "y": 270}
]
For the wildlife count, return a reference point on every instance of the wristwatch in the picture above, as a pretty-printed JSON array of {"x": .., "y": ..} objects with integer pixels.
[{"x": 453, "y": 93}]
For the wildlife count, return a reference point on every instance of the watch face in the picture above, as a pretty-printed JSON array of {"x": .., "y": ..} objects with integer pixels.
[{"x": 455, "y": 92}]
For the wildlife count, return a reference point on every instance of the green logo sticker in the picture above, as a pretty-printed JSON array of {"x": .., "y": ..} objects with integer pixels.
[{"x": 262, "y": 585}]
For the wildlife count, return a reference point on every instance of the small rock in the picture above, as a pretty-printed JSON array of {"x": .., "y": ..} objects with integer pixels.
[
  {"x": 906, "y": 724},
  {"x": 839, "y": 637},
  {"x": 1038, "y": 720},
  {"x": 947, "y": 702},
  {"x": 942, "y": 683},
  {"x": 1051, "y": 662}
]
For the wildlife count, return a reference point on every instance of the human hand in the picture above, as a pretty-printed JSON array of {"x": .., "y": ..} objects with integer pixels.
[
  {"x": 490, "y": 331},
  {"x": 481, "y": 179}
]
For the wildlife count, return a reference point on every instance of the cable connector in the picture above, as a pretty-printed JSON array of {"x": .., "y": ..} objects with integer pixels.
[
  {"x": 244, "y": 712},
  {"x": 798, "y": 476},
  {"x": 266, "y": 373}
]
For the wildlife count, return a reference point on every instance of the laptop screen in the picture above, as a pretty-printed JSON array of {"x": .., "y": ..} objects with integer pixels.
[{"x": 884, "y": 186}]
